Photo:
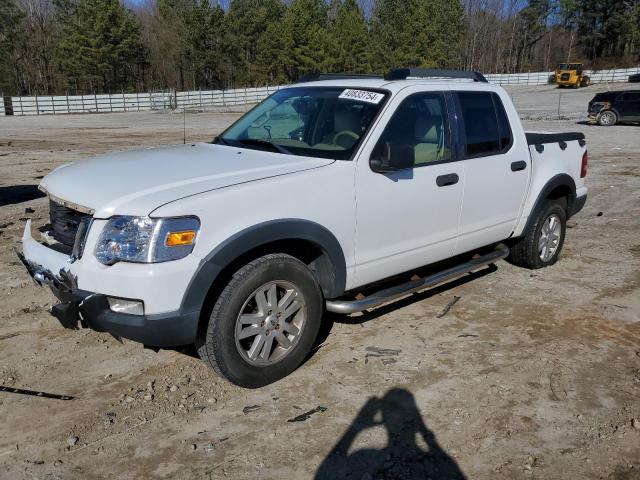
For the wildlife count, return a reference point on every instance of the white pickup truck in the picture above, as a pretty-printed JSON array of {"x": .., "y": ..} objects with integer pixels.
[{"x": 331, "y": 194}]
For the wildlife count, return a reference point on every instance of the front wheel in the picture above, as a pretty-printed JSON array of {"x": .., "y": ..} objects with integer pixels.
[
  {"x": 542, "y": 244},
  {"x": 607, "y": 118},
  {"x": 264, "y": 323}
]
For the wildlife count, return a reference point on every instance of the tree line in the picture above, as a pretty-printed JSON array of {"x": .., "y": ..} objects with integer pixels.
[{"x": 86, "y": 46}]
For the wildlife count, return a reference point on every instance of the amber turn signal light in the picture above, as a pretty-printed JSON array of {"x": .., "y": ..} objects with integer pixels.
[{"x": 176, "y": 239}]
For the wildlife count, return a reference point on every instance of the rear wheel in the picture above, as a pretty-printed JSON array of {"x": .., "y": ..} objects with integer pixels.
[
  {"x": 264, "y": 322},
  {"x": 607, "y": 118},
  {"x": 542, "y": 244}
]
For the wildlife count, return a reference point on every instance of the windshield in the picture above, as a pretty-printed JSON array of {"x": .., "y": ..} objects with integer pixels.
[
  {"x": 602, "y": 96},
  {"x": 570, "y": 66},
  {"x": 327, "y": 122}
]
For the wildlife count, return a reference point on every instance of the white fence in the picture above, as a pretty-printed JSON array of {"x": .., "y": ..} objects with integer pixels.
[
  {"x": 533, "y": 78},
  {"x": 222, "y": 98},
  {"x": 119, "y": 102},
  {"x": 541, "y": 78},
  {"x": 126, "y": 102},
  {"x": 613, "y": 75}
]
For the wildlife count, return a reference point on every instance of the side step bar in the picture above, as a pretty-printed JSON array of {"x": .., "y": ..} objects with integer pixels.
[{"x": 392, "y": 293}]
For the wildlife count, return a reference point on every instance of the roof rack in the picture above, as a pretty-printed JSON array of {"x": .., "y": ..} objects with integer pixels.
[
  {"x": 397, "y": 74},
  {"x": 404, "y": 73},
  {"x": 314, "y": 77}
]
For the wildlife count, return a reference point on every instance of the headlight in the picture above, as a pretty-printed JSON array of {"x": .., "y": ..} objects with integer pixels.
[{"x": 146, "y": 240}]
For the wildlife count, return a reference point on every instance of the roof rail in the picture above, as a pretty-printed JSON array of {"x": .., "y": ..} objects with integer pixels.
[
  {"x": 314, "y": 77},
  {"x": 404, "y": 73}
]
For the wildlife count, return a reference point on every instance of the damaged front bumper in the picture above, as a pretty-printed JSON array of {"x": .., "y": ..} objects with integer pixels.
[{"x": 81, "y": 308}]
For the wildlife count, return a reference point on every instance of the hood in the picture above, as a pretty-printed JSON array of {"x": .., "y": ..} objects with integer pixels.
[{"x": 138, "y": 182}]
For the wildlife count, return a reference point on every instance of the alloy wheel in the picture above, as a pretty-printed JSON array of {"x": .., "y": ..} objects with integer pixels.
[
  {"x": 270, "y": 323},
  {"x": 549, "y": 237},
  {"x": 607, "y": 118}
]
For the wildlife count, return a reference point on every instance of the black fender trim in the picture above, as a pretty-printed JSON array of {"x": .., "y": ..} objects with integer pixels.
[
  {"x": 333, "y": 282},
  {"x": 578, "y": 204},
  {"x": 159, "y": 330},
  {"x": 560, "y": 180},
  {"x": 542, "y": 138}
]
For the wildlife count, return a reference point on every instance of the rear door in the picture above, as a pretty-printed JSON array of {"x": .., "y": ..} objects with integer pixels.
[
  {"x": 497, "y": 168},
  {"x": 629, "y": 106}
]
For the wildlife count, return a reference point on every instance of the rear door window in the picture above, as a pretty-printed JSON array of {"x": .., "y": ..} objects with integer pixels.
[
  {"x": 485, "y": 124},
  {"x": 504, "y": 129}
]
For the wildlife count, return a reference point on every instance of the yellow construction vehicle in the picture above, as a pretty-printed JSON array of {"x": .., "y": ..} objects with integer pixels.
[{"x": 571, "y": 75}]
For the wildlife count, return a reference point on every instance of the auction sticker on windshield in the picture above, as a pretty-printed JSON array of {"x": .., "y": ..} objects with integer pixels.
[{"x": 362, "y": 96}]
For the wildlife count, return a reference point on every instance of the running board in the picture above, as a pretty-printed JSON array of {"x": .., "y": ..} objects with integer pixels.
[{"x": 392, "y": 293}]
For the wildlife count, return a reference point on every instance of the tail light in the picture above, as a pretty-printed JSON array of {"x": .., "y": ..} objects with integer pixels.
[{"x": 585, "y": 160}]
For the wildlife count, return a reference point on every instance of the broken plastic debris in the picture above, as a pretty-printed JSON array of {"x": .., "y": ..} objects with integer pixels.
[{"x": 307, "y": 415}]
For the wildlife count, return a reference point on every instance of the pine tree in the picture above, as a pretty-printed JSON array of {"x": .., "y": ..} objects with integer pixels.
[
  {"x": 418, "y": 33},
  {"x": 348, "y": 36},
  {"x": 101, "y": 47},
  {"x": 272, "y": 55},
  {"x": 10, "y": 17},
  {"x": 246, "y": 22},
  {"x": 203, "y": 38},
  {"x": 305, "y": 28}
]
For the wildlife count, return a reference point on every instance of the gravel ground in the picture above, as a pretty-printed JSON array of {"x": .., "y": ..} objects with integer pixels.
[
  {"x": 530, "y": 374},
  {"x": 548, "y": 102}
]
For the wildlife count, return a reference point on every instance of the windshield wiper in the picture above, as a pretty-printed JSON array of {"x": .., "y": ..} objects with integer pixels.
[
  {"x": 264, "y": 143},
  {"x": 221, "y": 141}
]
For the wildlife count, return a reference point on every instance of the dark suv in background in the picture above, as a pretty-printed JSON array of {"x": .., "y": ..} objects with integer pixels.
[{"x": 609, "y": 108}]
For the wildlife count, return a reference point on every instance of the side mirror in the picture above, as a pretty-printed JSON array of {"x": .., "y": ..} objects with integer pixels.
[{"x": 391, "y": 157}]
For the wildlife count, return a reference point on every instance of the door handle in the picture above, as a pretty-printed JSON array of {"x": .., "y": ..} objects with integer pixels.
[
  {"x": 446, "y": 180},
  {"x": 517, "y": 166}
]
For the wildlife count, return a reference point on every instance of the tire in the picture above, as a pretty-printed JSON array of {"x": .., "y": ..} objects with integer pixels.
[
  {"x": 246, "y": 311},
  {"x": 527, "y": 252},
  {"x": 607, "y": 118}
]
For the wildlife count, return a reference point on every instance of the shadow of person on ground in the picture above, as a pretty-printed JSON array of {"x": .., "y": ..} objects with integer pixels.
[
  {"x": 412, "y": 450},
  {"x": 18, "y": 194}
]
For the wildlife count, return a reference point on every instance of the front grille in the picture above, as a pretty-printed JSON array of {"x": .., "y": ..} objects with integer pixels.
[
  {"x": 564, "y": 77},
  {"x": 65, "y": 223}
]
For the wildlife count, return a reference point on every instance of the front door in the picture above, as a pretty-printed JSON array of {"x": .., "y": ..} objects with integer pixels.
[{"x": 408, "y": 218}]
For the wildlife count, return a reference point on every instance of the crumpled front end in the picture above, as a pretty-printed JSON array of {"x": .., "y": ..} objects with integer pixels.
[
  {"x": 596, "y": 107},
  {"x": 125, "y": 300}
]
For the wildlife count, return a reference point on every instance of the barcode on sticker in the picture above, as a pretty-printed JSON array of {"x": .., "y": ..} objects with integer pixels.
[{"x": 362, "y": 96}]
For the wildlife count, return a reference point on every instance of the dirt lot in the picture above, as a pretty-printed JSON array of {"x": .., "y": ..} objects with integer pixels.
[{"x": 531, "y": 374}]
